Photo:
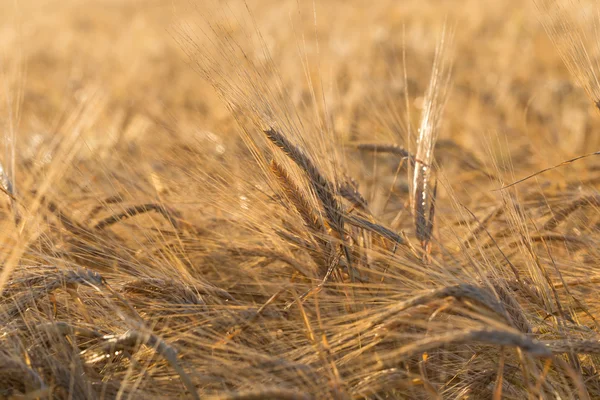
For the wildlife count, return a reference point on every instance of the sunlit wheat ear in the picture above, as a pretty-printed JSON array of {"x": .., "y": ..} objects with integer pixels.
[
  {"x": 311, "y": 218},
  {"x": 323, "y": 188},
  {"x": 298, "y": 199},
  {"x": 435, "y": 99},
  {"x": 569, "y": 161},
  {"x": 575, "y": 39}
]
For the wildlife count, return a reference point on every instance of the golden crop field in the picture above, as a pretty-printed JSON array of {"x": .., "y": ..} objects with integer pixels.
[{"x": 299, "y": 199}]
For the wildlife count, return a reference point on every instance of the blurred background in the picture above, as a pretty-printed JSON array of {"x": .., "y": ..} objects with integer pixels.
[
  {"x": 507, "y": 75},
  {"x": 116, "y": 75}
]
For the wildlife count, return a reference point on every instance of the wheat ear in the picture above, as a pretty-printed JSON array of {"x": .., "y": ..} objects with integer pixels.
[
  {"x": 323, "y": 188},
  {"x": 295, "y": 195},
  {"x": 562, "y": 214}
]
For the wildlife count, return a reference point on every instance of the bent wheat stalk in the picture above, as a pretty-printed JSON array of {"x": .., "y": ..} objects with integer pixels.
[
  {"x": 459, "y": 292},
  {"x": 483, "y": 336},
  {"x": 136, "y": 210}
]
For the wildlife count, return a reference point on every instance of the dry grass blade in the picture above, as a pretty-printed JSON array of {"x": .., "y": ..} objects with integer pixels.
[
  {"x": 597, "y": 153},
  {"x": 466, "y": 158}
]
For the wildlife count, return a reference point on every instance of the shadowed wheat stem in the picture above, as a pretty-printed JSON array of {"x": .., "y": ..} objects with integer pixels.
[
  {"x": 266, "y": 394},
  {"x": 131, "y": 340}
]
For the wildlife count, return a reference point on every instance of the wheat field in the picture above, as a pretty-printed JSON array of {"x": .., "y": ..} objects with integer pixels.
[{"x": 300, "y": 199}]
